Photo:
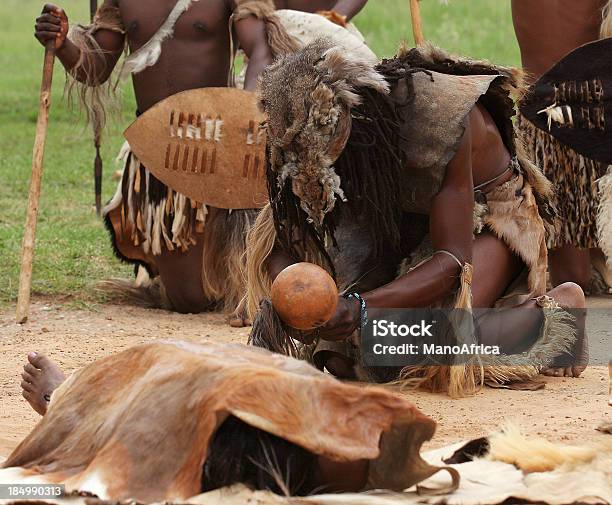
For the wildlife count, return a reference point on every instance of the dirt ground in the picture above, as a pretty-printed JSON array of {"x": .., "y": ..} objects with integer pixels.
[{"x": 567, "y": 410}]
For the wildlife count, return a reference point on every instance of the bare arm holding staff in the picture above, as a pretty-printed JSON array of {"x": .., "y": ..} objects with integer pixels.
[
  {"x": 53, "y": 24},
  {"x": 197, "y": 55},
  {"x": 98, "y": 67}
]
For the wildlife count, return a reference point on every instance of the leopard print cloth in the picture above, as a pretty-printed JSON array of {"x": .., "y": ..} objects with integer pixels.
[{"x": 575, "y": 180}]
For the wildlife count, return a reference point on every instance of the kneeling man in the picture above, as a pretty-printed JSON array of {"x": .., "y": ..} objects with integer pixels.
[{"x": 406, "y": 182}]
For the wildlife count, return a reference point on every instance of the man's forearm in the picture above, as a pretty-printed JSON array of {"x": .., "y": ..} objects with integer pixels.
[
  {"x": 349, "y": 8},
  {"x": 258, "y": 61},
  {"x": 69, "y": 55},
  {"x": 422, "y": 287},
  {"x": 92, "y": 71}
]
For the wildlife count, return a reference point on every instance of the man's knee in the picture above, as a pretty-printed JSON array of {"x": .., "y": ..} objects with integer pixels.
[
  {"x": 569, "y": 295},
  {"x": 184, "y": 291},
  {"x": 188, "y": 298}
]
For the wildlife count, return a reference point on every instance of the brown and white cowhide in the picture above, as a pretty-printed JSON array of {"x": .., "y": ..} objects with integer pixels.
[{"x": 136, "y": 425}]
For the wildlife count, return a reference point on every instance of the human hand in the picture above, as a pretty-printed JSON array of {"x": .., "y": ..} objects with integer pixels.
[
  {"x": 344, "y": 322},
  {"x": 52, "y": 24}
]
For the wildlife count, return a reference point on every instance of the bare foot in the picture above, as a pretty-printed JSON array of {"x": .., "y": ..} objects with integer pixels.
[
  {"x": 571, "y": 298},
  {"x": 239, "y": 322},
  {"x": 40, "y": 378},
  {"x": 239, "y": 318},
  {"x": 579, "y": 360}
]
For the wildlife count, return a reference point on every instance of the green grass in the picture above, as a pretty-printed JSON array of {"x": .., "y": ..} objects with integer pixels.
[
  {"x": 476, "y": 28},
  {"x": 73, "y": 251}
]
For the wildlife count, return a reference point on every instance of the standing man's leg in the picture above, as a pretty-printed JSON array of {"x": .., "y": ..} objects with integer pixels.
[{"x": 546, "y": 31}]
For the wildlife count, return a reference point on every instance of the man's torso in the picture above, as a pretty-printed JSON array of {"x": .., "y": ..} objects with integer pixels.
[
  {"x": 549, "y": 29},
  {"x": 196, "y": 56}
]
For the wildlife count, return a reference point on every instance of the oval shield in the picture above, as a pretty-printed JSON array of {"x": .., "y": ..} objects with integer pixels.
[
  {"x": 206, "y": 144},
  {"x": 572, "y": 101}
]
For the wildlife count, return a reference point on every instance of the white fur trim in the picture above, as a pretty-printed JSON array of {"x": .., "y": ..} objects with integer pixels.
[{"x": 148, "y": 54}]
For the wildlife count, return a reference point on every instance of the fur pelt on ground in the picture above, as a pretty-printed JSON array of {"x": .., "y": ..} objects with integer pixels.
[{"x": 513, "y": 467}]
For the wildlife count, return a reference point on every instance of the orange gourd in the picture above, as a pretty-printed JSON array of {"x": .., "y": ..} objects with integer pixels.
[{"x": 304, "y": 296}]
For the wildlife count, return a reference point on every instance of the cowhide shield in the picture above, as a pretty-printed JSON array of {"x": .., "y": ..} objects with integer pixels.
[
  {"x": 136, "y": 425},
  {"x": 573, "y": 101},
  {"x": 206, "y": 144}
]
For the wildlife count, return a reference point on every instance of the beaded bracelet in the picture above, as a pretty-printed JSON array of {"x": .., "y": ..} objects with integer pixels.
[{"x": 362, "y": 305}]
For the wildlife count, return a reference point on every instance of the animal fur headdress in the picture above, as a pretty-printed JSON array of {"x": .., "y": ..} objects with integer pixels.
[{"x": 308, "y": 97}]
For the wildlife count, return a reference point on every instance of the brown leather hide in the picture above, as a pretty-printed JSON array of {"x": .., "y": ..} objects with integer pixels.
[
  {"x": 137, "y": 424},
  {"x": 206, "y": 144},
  {"x": 126, "y": 248}
]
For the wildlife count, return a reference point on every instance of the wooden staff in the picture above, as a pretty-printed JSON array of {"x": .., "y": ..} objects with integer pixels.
[
  {"x": 97, "y": 131},
  {"x": 98, "y": 166},
  {"x": 417, "y": 25},
  {"x": 29, "y": 235}
]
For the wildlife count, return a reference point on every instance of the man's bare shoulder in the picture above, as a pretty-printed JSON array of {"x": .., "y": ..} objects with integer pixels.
[{"x": 483, "y": 126}]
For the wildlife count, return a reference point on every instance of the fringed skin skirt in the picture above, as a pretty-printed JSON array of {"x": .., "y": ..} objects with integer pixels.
[{"x": 154, "y": 217}]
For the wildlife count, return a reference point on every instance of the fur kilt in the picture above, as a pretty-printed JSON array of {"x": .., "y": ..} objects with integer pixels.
[{"x": 575, "y": 179}]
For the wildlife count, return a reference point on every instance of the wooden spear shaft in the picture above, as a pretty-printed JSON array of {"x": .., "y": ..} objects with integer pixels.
[
  {"x": 98, "y": 164},
  {"x": 29, "y": 235},
  {"x": 93, "y": 8},
  {"x": 417, "y": 25}
]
